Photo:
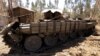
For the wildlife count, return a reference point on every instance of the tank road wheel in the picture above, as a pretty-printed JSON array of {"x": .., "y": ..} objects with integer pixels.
[
  {"x": 50, "y": 40},
  {"x": 63, "y": 37},
  {"x": 86, "y": 32},
  {"x": 73, "y": 35},
  {"x": 33, "y": 43},
  {"x": 81, "y": 34}
]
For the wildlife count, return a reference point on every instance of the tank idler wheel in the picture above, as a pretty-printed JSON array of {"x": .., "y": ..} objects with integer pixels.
[
  {"x": 63, "y": 37},
  {"x": 50, "y": 40},
  {"x": 33, "y": 43}
]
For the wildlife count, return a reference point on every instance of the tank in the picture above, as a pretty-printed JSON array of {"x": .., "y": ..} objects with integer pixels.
[{"x": 35, "y": 36}]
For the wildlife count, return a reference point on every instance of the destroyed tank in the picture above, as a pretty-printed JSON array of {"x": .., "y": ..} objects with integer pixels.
[
  {"x": 37, "y": 36},
  {"x": 34, "y": 36}
]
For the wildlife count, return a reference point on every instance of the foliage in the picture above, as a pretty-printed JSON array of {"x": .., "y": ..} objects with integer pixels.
[
  {"x": 27, "y": 3},
  {"x": 56, "y": 3},
  {"x": 50, "y": 5},
  {"x": 75, "y": 8}
]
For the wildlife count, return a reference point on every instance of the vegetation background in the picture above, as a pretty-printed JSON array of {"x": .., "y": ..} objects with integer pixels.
[{"x": 74, "y": 8}]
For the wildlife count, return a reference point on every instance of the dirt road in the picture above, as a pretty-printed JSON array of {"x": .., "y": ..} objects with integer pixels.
[
  {"x": 89, "y": 47},
  {"x": 3, "y": 48},
  {"x": 79, "y": 47}
]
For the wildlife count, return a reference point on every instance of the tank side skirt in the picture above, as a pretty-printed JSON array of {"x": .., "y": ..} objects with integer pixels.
[
  {"x": 46, "y": 26},
  {"x": 78, "y": 29},
  {"x": 75, "y": 26},
  {"x": 30, "y": 27},
  {"x": 53, "y": 26},
  {"x": 78, "y": 24},
  {"x": 65, "y": 27},
  {"x": 60, "y": 26},
  {"x": 39, "y": 27},
  {"x": 70, "y": 27}
]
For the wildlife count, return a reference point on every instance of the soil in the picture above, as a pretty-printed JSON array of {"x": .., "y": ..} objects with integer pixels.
[{"x": 85, "y": 46}]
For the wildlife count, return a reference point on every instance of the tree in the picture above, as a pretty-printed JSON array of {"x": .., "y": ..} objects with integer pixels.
[
  {"x": 40, "y": 4},
  {"x": 96, "y": 11},
  {"x": 50, "y": 5},
  {"x": 15, "y": 3},
  {"x": 20, "y": 3},
  {"x": 87, "y": 8},
  {"x": 2, "y": 7},
  {"x": 97, "y": 6},
  {"x": 70, "y": 6},
  {"x": 65, "y": 6},
  {"x": 75, "y": 8},
  {"x": 80, "y": 7},
  {"x": 27, "y": 3},
  {"x": 33, "y": 6},
  {"x": 56, "y": 3},
  {"x": 43, "y": 3}
]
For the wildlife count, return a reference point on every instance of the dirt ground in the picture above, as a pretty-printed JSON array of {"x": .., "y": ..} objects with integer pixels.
[{"x": 86, "y": 46}]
